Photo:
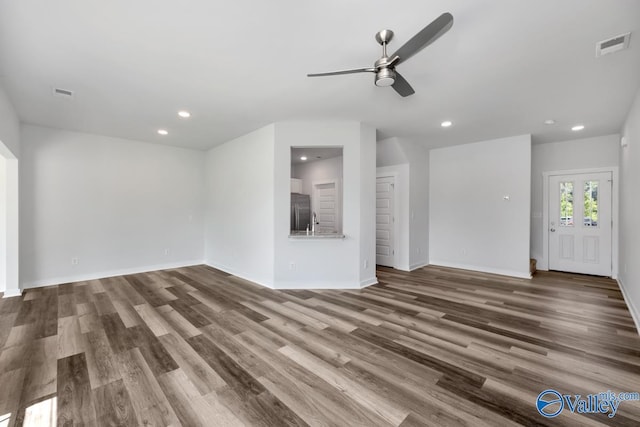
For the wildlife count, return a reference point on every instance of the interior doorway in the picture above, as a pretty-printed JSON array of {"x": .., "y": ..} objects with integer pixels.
[
  {"x": 9, "y": 262},
  {"x": 580, "y": 222},
  {"x": 385, "y": 221}
]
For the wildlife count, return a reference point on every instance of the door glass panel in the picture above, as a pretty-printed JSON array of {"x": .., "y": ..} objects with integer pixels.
[
  {"x": 566, "y": 204},
  {"x": 590, "y": 204}
]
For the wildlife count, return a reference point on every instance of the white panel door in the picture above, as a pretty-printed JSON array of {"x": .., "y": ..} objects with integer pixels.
[
  {"x": 580, "y": 223},
  {"x": 385, "y": 189},
  {"x": 326, "y": 208}
]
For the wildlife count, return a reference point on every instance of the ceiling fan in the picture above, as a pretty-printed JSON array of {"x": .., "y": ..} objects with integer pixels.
[{"x": 385, "y": 67}]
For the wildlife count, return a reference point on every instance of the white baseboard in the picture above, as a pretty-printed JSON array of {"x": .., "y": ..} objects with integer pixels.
[
  {"x": 316, "y": 285},
  {"x": 240, "y": 274},
  {"x": 368, "y": 282},
  {"x": 12, "y": 293},
  {"x": 418, "y": 265},
  {"x": 105, "y": 274},
  {"x": 295, "y": 284},
  {"x": 635, "y": 313},
  {"x": 482, "y": 269}
]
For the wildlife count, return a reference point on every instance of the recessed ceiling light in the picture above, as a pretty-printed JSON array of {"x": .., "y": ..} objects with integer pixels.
[
  {"x": 184, "y": 114},
  {"x": 549, "y": 122},
  {"x": 303, "y": 158},
  {"x": 163, "y": 132},
  {"x": 577, "y": 128},
  {"x": 446, "y": 123}
]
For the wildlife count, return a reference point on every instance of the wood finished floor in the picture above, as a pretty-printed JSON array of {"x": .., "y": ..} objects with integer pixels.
[{"x": 195, "y": 346}]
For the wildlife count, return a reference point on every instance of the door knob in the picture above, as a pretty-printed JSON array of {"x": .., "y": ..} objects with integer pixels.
[{"x": 553, "y": 230}]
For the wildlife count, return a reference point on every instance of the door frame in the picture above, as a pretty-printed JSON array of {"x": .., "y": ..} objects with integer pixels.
[
  {"x": 544, "y": 262},
  {"x": 396, "y": 213}
]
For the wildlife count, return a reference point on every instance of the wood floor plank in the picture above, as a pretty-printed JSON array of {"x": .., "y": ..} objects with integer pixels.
[
  {"x": 155, "y": 354},
  {"x": 41, "y": 370},
  {"x": 192, "y": 408},
  {"x": 113, "y": 405},
  {"x": 75, "y": 400},
  {"x": 204, "y": 378},
  {"x": 149, "y": 402},
  {"x": 11, "y": 382},
  {"x": 70, "y": 339},
  {"x": 118, "y": 335},
  {"x": 100, "y": 359},
  {"x": 375, "y": 403},
  {"x": 230, "y": 371}
]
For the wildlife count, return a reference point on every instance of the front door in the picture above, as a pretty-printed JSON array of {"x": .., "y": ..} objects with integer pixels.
[
  {"x": 580, "y": 223},
  {"x": 385, "y": 253}
]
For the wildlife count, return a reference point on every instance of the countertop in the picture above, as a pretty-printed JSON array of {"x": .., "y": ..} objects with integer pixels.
[{"x": 303, "y": 235}]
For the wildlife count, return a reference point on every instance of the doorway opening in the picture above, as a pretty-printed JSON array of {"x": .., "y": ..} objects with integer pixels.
[{"x": 8, "y": 223}]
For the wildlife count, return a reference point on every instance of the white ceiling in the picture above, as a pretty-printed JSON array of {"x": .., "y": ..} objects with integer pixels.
[
  {"x": 314, "y": 154},
  {"x": 503, "y": 68}
]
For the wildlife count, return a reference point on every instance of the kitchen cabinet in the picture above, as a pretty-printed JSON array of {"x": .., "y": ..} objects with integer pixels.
[{"x": 296, "y": 185}]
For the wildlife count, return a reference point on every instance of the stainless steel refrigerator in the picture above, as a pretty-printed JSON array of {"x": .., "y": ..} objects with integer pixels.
[{"x": 300, "y": 212}]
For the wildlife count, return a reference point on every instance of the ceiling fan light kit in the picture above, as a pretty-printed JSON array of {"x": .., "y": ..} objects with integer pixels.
[{"x": 385, "y": 67}]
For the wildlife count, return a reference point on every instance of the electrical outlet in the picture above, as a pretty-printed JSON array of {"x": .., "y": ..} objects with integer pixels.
[
  {"x": 366, "y": 264},
  {"x": 292, "y": 266},
  {"x": 418, "y": 250},
  {"x": 166, "y": 251},
  {"x": 464, "y": 251},
  {"x": 75, "y": 261}
]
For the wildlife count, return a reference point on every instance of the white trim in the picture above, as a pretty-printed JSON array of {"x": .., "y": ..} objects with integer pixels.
[
  {"x": 297, "y": 284},
  {"x": 12, "y": 293},
  {"x": 396, "y": 215},
  {"x": 543, "y": 264},
  {"x": 239, "y": 274},
  {"x": 418, "y": 265},
  {"x": 498, "y": 271},
  {"x": 329, "y": 284},
  {"x": 368, "y": 282},
  {"x": 635, "y": 313},
  {"x": 105, "y": 274}
]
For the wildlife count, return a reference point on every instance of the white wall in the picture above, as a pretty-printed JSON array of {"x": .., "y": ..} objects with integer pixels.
[
  {"x": 9, "y": 128},
  {"x": 576, "y": 154},
  {"x": 409, "y": 160},
  {"x": 471, "y": 226},
  {"x": 324, "y": 263},
  {"x": 318, "y": 170},
  {"x": 114, "y": 204},
  {"x": 240, "y": 207},
  {"x": 9, "y": 201},
  {"x": 629, "y": 249}
]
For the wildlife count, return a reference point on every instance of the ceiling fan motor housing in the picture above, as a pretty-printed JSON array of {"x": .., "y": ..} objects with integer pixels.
[{"x": 385, "y": 77}]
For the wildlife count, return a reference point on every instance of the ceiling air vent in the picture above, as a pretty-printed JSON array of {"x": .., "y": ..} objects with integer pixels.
[
  {"x": 62, "y": 93},
  {"x": 613, "y": 44}
]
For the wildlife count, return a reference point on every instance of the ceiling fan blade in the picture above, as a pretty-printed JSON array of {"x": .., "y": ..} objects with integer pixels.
[
  {"x": 336, "y": 73},
  {"x": 425, "y": 37},
  {"x": 402, "y": 86}
]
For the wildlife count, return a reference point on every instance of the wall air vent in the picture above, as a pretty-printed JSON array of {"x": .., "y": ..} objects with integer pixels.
[
  {"x": 613, "y": 44},
  {"x": 62, "y": 93}
]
